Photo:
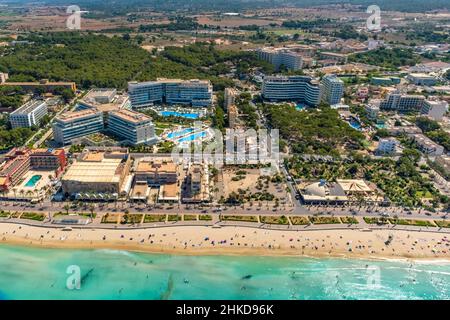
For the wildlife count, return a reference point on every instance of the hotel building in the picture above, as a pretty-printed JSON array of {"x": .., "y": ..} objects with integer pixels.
[
  {"x": 279, "y": 58},
  {"x": 427, "y": 146},
  {"x": 298, "y": 88},
  {"x": 28, "y": 115},
  {"x": 156, "y": 173},
  {"x": 332, "y": 89},
  {"x": 387, "y": 146},
  {"x": 18, "y": 161},
  {"x": 194, "y": 92},
  {"x": 44, "y": 84},
  {"x": 421, "y": 79},
  {"x": 134, "y": 127},
  {"x": 74, "y": 125},
  {"x": 399, "y": 102}
]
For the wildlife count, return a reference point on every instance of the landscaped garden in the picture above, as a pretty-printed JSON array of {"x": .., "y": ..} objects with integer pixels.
[
  {"x": 205, "y": 217},
  {"x": 190, "y": 217},
  {"x": 131, "y": 218},
  {"x": 324, "y": 220},
  {"x": 154, "y": 218},
  {"x": 411, "y": 222},
  {"x": 349, "y": 220},
  {"x": 274, "y": 219},
  {"x": 33, "y": 216},
  {"x": 244, "y": 218},
  {"x": 299, "y": 220}
]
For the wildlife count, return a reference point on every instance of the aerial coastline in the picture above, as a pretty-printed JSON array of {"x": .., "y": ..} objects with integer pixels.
[{"x": 235, "y": 240}]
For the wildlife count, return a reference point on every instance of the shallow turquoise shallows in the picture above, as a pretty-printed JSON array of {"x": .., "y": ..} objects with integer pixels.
[{"x": 30, "y": 273}]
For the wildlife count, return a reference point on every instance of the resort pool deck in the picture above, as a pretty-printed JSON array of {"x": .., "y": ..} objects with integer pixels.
[
  {"x": 33, "y": 181},
  {"x": 179, "y": 133},
  {"x": 192, "y": 137},
  {"x": 180, "y": 114}
]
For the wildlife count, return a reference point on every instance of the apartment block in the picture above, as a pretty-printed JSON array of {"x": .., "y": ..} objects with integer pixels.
[
  {"x": 28, "y": 115},
  {"x": 427, "y": 146},
  {"x": 156, "y": 173}
]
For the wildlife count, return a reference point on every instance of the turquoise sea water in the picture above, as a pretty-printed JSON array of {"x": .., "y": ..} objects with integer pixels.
[{"x": 31, "y": 273}]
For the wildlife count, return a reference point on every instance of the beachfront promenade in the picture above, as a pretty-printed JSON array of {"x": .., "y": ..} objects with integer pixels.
[{"x": 215, "y": 222}]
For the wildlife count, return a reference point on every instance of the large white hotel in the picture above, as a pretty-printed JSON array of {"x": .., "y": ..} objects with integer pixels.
[
  {"x": 28, "y": 115},
  {"x": 196, "y": 93},
  {"x": 280, "y": 57},
  {"x": 103, "y": 110},
  {"x": 299, "y": 88}
]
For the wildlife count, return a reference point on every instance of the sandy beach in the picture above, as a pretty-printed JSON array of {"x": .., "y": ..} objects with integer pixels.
[{"x": 196, "y": 240}]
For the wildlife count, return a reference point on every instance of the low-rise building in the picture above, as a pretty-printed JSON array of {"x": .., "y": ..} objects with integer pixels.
[
  {"x": 43, "y": 84},
  {"x": 97, "y": 174},
  {"x": 422, "y": 79},
  {"x": 156, "y": 173},
  {"x": 427, "y": 146},
  {"x": 387, "y": 146},
  {"x": 28, "y": 115},
  {"x": 444, "y": 162},
  {"x": 385, "y": 81},
  {"x": 372, "y": 109}
]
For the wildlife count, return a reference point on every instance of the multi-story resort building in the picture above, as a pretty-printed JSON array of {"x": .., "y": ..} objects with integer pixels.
[
  {"x": 99, "y": 175},
  {"x": 403, "y": 103},
  {"x": 280, "y": 58},
  {"x": 28, "y": 115},
  {"x": 196, "y": 93},
  {"x": 74, "y": 125},
  {"x": 229, "y": 96},
  {"x": 298, "y": 88},
  {"x": 434, "y": 109},
  {"x": 385, "y": 81},
  {"x": 134, "y": 127},
  {"x": 18, "y": 161},
  {"x": 332, "y": 89},
  {"x": 421, "y": 79}
]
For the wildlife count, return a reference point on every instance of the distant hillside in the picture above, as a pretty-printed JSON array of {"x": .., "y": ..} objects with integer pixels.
[{"x": 117, "y": 7}]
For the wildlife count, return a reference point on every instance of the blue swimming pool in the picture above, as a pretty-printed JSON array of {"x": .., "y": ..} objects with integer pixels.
[
  {"x": 300, "y": 106},
  {"x": 179, "y": 133},
  {"x": 192, "y": 137},
  {"x": 180, "y": 114},
  {"x": 33, "y": 181}
]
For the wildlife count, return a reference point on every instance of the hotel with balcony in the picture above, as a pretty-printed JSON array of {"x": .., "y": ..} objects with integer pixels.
[
  {"x": 194, "y": 92},
  {"x": 332, "y": 89},
  {"x": 28, "y": 115},
  {"x": 134, "y": 127},
  {"x": 295, "y": 88},
  {"x": 74, "y": 125},
  {"x": 280, "y": 57}
]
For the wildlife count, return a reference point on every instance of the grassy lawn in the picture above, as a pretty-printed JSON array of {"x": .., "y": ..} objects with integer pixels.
[
  {"x": 206, "y": 217},
  {"x": 274, "y": 219},
  {"x": 15, "y": 215},
  {"x": 349, "y": 220},
  {"x": 131, "y": 218},
  {"x": 239, "y": 218},
  {"x": 409, "y": 222},
  {"x": 110, "y": 218},
  {"x": 4, "y": 214},
  {"x": 173, "y": 217},
  {"x": 371, "y": 220},
  {"x": 324, "y": 220},
  {"x": 442, "y": 224},
  {"x": 33, "y": 216},
  {"x": 299, "y": 220},
  {"x": 154, "y": 218},
  {"x": 190, "y": 217}
]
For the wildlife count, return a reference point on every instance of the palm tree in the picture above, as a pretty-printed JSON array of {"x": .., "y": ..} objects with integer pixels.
[
  {"x": 67, "y": 208},
  {"x": 91, "y": 210}
]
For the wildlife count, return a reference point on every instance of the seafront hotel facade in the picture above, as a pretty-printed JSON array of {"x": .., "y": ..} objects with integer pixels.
[
  {"x": 298, "y": 88},
  {"x": 194, "y": 92}
]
